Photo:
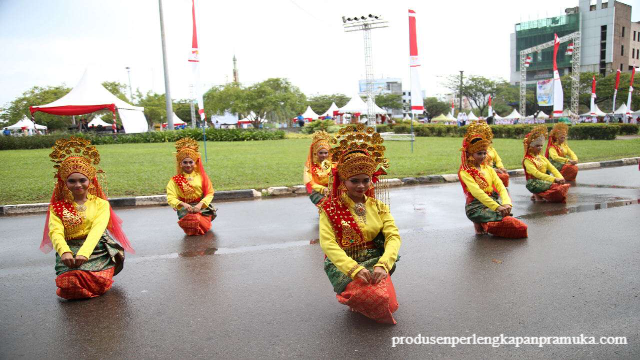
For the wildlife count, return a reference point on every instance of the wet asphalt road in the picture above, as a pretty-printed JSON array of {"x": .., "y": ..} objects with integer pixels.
[{"x": 255, "y": 288}]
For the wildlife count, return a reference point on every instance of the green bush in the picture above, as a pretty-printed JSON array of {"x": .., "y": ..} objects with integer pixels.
[
  {"x": 47, "y": 141},
  {"x": 382, "y": 128},
  {"x": 324, "y": 125},
  {"x": 593, "y": 132},
  {"x": 627, "y": 129}
]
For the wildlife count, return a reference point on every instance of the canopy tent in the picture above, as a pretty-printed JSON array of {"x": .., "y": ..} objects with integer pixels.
[
  {"x": 598, "y": 112},
  {"x": 89, "y": 96},
  {"x": 496, "y": 116},
  {"x": 27, "y": 124},
  {"x": 472, "y": 116},
  {"x": 514, "y": 115},
  {"x": 568, "y": 113},
  {"x": 357, "y": 105},
  {"x": 542, "y": 115},
  {"x": 330, "y": 111},
  {"x": 635, "y": 113},
  {"x": 310, "y": 114},
  {"x": 450, "y": 117},
  {"x": 622, "y": 110},
  {"x": 226, "y": 119},
  {"x": 442, "y": 119},
  {"x": 97, "y": 121},
  {"x": 176, "y": 121}
]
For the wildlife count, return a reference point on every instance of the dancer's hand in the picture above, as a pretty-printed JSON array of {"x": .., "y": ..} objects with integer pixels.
[
  {"x": 379, "y": 274},
  {"x": 80, "y": 260},
  {"x": 559, "y": 181},
  {"x": 67, "y": 260},
  {"x": 196, "y": 209},
  {"x": 325, "y": 191},
  {"x": 502, "y": 170},
  {"x": 364, "y": 274},
  {"x": 186, "y": 207},
  {"x": 573, "y": 162},
  {"x": 504, "y": 210}
]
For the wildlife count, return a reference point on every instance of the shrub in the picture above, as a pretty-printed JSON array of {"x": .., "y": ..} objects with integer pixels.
[
  {"x": 593, "y": 132},
  {"x": 47, "y": 141},
  {"x": 627, "y": 129}
]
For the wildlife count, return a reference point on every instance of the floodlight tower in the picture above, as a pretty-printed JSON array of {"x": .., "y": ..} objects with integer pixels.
[{"x": 365, "y": 23}]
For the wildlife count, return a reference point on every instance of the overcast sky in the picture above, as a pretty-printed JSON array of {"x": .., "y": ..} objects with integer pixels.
[{"x": 51, "y": 42}]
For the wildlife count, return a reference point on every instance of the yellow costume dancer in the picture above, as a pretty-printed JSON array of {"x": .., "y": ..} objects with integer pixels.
[
  {"x": 357, "y": 232},
  {"x": 488, "y": 204},
  {"x": 190, "y": 192},
  {"x": 493, "y": 159},
  {"x": 79, "y": 216},
  {"x": 317, "y": 168},
  {"x": 547, "y": 187},
  {"x": 559, "y": 153}
]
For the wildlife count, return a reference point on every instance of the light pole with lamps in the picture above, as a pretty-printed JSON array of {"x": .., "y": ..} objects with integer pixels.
[{"x": 130, "y": 91}]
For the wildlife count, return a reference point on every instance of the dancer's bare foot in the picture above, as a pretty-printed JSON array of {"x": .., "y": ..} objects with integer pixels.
[{"x": 479, "y": 229}]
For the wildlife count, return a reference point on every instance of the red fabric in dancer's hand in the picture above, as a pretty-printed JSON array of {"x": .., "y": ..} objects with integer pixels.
[
  {"x": 195, "y": 224},
  {"x": 556, "y": 193},
  {"x": 509, "y": 227},
  {"x": 569, "y": 172},
  {"x": 504, "y": 178},
  {"x": 377, "y": 302},
  {"x": 80, "y": 284}
]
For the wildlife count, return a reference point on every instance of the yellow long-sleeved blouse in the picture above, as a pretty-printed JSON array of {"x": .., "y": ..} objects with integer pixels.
[
  {"x": 540, "y": 167},
  {"x": 493, "y": 159},
  {"x": 568, "y": 154},
  {"x": 481, "y": 194},
  {"x": 174, "y": 193},
  {"x": 96, "y": 219},
  {"x": 376, "y": 221},
  {"x": 320, "y": 181}
]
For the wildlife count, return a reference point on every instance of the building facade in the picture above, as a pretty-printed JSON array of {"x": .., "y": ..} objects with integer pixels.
[
  {"x": 382, "y": 87},
  {"x": 606, "y": 40}
]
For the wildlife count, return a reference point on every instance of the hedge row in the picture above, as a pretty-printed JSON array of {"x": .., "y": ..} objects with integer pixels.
[
  {"x": 576, "y": 132},
  {"x": 47, "y": 141}
]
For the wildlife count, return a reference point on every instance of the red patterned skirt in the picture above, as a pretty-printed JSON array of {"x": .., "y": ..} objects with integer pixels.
[
  {"x": 504, "y": 178},
  {"x": 195, "y": 224},
  {"x": 556, "y": 193},
  {"x": 509, "y": 227},
  {"x": 80, "y": 284},
  {"x": 377, "y": 302},
  {"x": 569, "y": 172}
]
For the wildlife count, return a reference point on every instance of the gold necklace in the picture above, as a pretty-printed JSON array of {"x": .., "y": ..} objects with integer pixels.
[{"x": 361, "y": 211}]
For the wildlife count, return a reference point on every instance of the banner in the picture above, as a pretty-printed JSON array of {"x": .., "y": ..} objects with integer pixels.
[{"x": 545, "y": 92}]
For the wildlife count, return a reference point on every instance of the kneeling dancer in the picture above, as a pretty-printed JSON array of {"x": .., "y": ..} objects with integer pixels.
[
  {"x": 357, "y": 232},
  {"x": 87, "y": 257},
  {"x": 318, "y": 167},
  {"x": 559, "y": 153},
  {"x": 190, "y": 192},
  {"x": 544, "y": 187},
  {"x": 488, "y": 202}
]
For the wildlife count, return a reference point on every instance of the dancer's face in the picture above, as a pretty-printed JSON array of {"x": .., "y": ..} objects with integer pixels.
[
  {"x": 357, "y": 185},
  {"x": 536, "y": 148},
  {"x": 479, "y": 156},
  {"x": 562, "y": 139},
  {"x": 187, "y": 165},
  {"x": 78, "y": 184},
  {"x": 322, "y": 154}
]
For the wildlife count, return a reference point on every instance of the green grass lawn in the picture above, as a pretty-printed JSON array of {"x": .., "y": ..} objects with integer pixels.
[{"x": 26, "y": 176}]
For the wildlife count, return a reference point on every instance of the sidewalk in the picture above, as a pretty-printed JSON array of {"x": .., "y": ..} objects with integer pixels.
[{"x": 280, "y": 191}]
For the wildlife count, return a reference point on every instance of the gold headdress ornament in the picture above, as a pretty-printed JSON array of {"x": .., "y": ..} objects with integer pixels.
[
  {"x": 75, "y": 155},
  {"x": 477, "y": 138},
  {"x": 538, "y": 134},
  {"x": 359, "y": 150},
  {"x": 321, "y": 140},
  {"x": 187, "y": 148},
  {"x": 558, "y": 130}
]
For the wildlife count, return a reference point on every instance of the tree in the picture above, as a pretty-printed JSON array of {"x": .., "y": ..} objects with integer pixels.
[
  {"x": 117, "y": 89},
  {"x": 389, "y": 101},
  {"x": 273, "y": 98},
  {"x": 604, "y": 91},
  {"x": 19, "y": 108},
  {"x": 475, "y": 88},
  {"x": 321, "y": 103},
  {"x": 435, "y": 107}
]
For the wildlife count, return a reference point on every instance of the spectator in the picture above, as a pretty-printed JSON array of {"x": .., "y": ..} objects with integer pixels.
[
  {"x": 300, "y": 120},
  {"x": 6, "y": 132}
]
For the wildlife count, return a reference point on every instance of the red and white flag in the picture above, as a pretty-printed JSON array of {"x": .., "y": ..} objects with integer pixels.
[
  {"x": 490, "y": 113},
  {"x": 452, "y": 108},
  {"x": 558, "y": 94},
  {"x": 417, "y": 103},
  {"x": 615, "y": 90},
  {"x": 527, "y": 61},
  {"x": 593, "y": 96},
  {"x": 569, "y": 49},
  {"x": 633, "y": 73},
  {"x": 194, "y": 59}
]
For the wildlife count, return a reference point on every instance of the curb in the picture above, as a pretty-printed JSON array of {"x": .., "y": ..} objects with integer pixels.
[{"x": 288, "y": 191}]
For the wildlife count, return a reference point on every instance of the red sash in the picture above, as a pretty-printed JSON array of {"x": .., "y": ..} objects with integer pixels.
[
  {"x": 345, "y": 227},
  {"x": 187, "y": 190},
  {"x": 67, "y": 213}
]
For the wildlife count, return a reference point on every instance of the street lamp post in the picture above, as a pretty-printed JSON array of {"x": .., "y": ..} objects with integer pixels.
[
  {"x": 461, "y": 75},
  {"x": 130, "y": 91}
]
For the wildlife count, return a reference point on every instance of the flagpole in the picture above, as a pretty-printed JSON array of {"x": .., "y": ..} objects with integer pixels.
[{"x": 166, "y": 73}]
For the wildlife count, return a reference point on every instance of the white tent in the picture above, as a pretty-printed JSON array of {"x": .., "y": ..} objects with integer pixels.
[
  {"x": 568, "y": 113},
  {"x": 542, "y": 115},
  {"x": 90, "y": 96},
  {"x": 177, "y": 120},
  {"x": 472, "y": 116},
  {"x": 622, "y": 110},
  {"x": 357, "y": 105},
  {"x": 26, "y": 123},
  {"x": 226, "y": 119},
  {"x": 97, "y": 121},
  {"x": 497, "y": 117},
  {"x": 514, "y": 115},
  {"x": 598, "y": 112},
  {"x": 330, "y": 111},
  {"x": 310, "y": 114},
  {"x": 450, "y": 117}
]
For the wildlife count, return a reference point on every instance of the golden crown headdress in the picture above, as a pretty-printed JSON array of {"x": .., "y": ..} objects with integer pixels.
[
  {"x": 536, "y": 133},
  {"x": 358, "y": 150},
  {"x": 558, "y": 130},
  {"x": 321, "y": 139},
  {"x": 187, "y": 148},
  {"x": 477, "y": 137},
  {"x": 74, "y": 155}
]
